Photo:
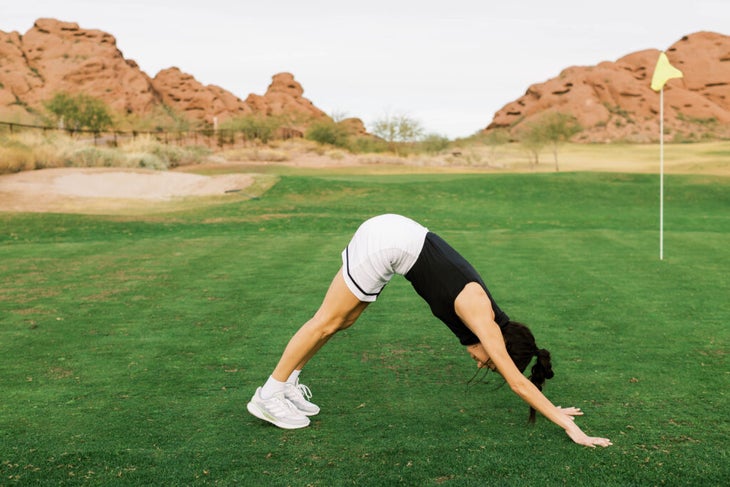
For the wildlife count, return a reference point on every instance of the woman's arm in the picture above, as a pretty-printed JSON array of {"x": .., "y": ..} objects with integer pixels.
[{"x": 475, "y": 310}]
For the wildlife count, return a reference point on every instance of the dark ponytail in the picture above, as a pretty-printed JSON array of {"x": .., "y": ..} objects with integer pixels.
[
  {"x": 521, "y": 347},
  {"x": 540, "y": 372}
]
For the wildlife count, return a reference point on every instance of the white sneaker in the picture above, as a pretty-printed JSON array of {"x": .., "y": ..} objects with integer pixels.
[
  {"x": 299, "y": 394},
  {"x": 277, "y": 410}
]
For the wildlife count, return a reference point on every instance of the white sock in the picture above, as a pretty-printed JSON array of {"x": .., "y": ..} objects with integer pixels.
[
  {"x": 271, "y": 387},
  {"x": 294, "y": 377}
]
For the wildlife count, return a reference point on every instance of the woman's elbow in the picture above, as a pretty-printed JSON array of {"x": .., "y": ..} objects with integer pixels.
[{"x": 521, "y": 387}]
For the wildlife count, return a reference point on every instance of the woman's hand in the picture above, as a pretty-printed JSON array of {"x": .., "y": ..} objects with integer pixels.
[
  {"x": 577, "y": 435},
  {"x": 570, "y": 411}
]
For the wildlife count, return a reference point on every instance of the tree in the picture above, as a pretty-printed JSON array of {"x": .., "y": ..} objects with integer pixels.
[
  {"x": 533, "y": 139},
  {"x": 558, "y": 129},
  {"x": 398, "y": 128},
  {"x": 78, "y": 112},
  {"x": 494, "y": 139},
  {"x": 553, "y": 128}
]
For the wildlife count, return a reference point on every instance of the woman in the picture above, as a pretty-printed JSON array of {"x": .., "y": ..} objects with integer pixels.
[{"x": 392, "y": 244}]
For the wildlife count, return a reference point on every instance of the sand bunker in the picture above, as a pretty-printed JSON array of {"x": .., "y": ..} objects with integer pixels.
[{"x": 69, "y": 189}]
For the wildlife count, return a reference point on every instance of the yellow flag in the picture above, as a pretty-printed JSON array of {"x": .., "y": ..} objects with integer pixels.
[{"x": 663, "y": 72}]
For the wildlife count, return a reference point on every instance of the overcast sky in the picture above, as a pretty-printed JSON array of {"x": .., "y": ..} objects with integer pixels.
[{"x": 449, "y": 64}]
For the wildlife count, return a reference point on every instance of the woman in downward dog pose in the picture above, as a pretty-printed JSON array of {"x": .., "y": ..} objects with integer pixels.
[{"x": 392, "y": 244}]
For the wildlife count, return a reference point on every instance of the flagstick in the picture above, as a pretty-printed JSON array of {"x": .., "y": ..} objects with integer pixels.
[
  {"x": 661, "y": 174},
  {"x": 663, "y": 72}
]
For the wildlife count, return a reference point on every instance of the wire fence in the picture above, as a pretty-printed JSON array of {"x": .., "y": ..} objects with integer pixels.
[{"x": 209, "y": 137}]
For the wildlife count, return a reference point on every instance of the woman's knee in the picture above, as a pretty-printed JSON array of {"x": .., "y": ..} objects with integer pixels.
[{"x": 326, "y": 326}]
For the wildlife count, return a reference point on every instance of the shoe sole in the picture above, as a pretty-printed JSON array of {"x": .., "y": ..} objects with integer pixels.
[
  {"x": 309, "y": 413},
  {"x": 256, "y": 411}
]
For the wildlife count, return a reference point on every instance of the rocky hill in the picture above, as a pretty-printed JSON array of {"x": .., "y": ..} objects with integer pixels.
[
  {"x": 56, "y": 56},
  {"x": 613, "y": 100}
]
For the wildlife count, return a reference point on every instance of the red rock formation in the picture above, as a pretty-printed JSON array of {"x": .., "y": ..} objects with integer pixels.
[
  {"x": 186, "y": 95},
  {"x": 56, "y": 56},
  {"x": 354, "y": 126},
  {"x": 17, "y": 79},
  {"x": 68, "y": 59},
  {"x": 613, "y": 100},
  {"x": 284, "y": 97}
]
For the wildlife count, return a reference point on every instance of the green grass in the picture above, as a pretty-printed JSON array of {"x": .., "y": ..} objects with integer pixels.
[{"x": 130, "y": 345}]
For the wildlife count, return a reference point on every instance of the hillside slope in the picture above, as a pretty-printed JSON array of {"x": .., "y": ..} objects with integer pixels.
[{"x": 613, "y": 100}]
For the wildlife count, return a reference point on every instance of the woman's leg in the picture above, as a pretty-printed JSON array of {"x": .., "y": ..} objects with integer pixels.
[
  {"x": 339, "y": 310},
  {"x": 273, "y": 402}
]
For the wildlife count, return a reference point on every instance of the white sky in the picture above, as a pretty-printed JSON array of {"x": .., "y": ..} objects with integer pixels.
[{"x": 449, "y": 64}]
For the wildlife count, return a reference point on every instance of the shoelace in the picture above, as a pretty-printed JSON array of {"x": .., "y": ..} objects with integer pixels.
[{"x": 304, "y": 390}]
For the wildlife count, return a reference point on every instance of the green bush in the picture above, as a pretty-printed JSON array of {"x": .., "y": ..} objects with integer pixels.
[
  {"x": 79, "y": 112},
  {"x": 254, "y": 127},
  {"x": 327, "y": 132}
]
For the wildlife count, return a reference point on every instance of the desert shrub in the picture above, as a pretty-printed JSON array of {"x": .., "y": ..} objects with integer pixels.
[
  {"x": 144, "y": 160},
  {"x": 143, "y": 143},
  {"x": 175, "y": 156},
  {"x": 26, "y": 151},
  {"x": 15, "y": 157},
  {"x": 160, "y": 118},
  {"x": 294, "y": 145},
  {"x": 48, "y": 155},
  {"x": 336, "y": 155},
  {"x": 92, "y": 156},
  {"x": 30, "y": 150},
  {"x": 366, "y": 145},
  {"x": 254, "y": 127},
  {"x": 434, "y": 143},
  {"x": 327, "y": 132},
  {"x": 259, "y": 154},
  {"x": 171, "y": 155},
  {"x": 195, "y": 154},
  {"x": 390, "y": 159}
]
